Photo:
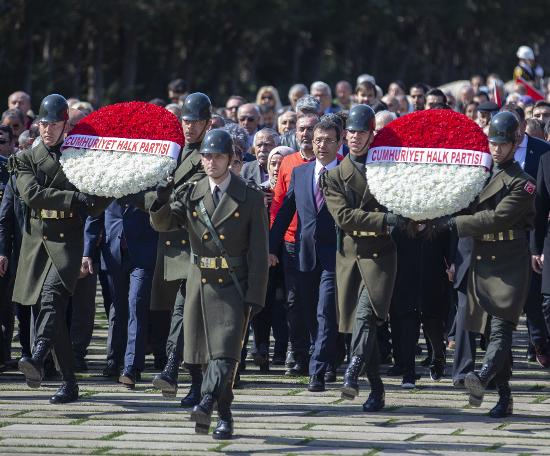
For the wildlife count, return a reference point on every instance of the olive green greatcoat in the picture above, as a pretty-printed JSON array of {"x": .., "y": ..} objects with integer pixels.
[
  {"x": 42, "y": 184},
  {"x": 498, "y": 283},
  {"x": 215, "y": 316},
  {"x": 173, "y": 248},
  {"x": 360, "y": 261}
]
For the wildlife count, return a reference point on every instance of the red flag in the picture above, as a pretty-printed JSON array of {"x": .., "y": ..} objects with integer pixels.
[{"x": 531, "y": 91}]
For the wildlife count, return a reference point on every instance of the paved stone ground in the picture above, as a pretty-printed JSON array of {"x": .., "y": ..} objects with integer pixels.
[{"x": 273, "y": 415}]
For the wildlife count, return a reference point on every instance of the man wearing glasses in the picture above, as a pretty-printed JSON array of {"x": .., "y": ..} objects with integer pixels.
[
  {"x": 232, "y": 105},
  {"x": 249, "y": 119}
]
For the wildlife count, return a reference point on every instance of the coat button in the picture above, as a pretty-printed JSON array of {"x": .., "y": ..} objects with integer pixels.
[
  {"x": 205, "y": 237},
  {"x": 183, "y": 241},
  {"x": 478, "y": 257},
  {"x": 194, "y": 213},
  {"x": 61, "y": 235},
  {"x": 222, "y": 237},
  {"x": 220, "y": 280},
  {"x": 167, "y": 242},
  {"x": 358, "y": 257},
  {"x": 203, "y": 280},
  {"x": 45, "y": 238},
  {"x": 376, "y": 209},
  {"x": 236, "y": 214},
  {"x": 493, "y": 258},
  {"x": 375, "y": 255}
]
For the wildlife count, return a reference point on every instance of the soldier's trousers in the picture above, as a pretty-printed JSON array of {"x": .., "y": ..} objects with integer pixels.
[
  {"x": 499, "y": 350},
  {"x": 175, "y": 337},
  {"x": 465, "y": 341},
  {"x": 218, "y": 381},
  {"x": 364, "y": 340},
  {"x": 51, "y": 324}
]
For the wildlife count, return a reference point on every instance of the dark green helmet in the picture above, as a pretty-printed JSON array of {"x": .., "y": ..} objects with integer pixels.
[
  {"x": 54, "y": 108},
  {"x": 361, "y": 118},
  {"x": 196, "y": 107},
  {"x": 217, "y": 141},
  {"x": 503, "y": 128}
]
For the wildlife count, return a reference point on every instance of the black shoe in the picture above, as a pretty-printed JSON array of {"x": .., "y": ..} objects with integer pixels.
[
  {"x": 111, "y": 370},
  {"x": 330, "y": 376},
  {"x": 476, "y": 383},
  {"x": 193, "y": 397},
  {"x": 290, "y": 361},
  {"x": 505, "y": 404},
  {"x": 129, "y": 377},
  {"x": 68, "y": 392},
  {"x": 80, "y": 364},
  {"x": 375, "y": 402},
  {"x": 298, "y": 370},
  {"x": 33, "y": 368},
  {"x": 394, "y": 371},
  {"x": 350, "y": 388},
  {"x": 426, "y": 361},
  {"x": 408, "y": 382},
  {"x": 167, "y": 380},
  {"x": 224, "y": 429},
  {"x": 316, "y": 383},
  {"x": 260, "y": 359},
  {"x": 278, "y": 359},
  {"x": 202, "y": 414},
  {"x": 458, "y": 383},
  {"x": 437, "y": 371}
]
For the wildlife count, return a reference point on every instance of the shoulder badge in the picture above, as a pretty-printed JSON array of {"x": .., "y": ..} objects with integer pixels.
[{"x": 530, "y": 187}]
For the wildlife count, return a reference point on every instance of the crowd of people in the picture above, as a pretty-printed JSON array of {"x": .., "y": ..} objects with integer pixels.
[{"x": 298, "y": 249}]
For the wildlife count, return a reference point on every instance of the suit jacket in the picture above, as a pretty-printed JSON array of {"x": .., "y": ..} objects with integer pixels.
[
  {"x": 462, "y": 259},
  {"x": 535, "y": 149},
  {"x": 251, "y": 172},
  {"x": 316, "y": 232},
  {"x": 542, "y": 227},
  {"x": 12, "y": 223},
  {"x": 124, "y": 221}
]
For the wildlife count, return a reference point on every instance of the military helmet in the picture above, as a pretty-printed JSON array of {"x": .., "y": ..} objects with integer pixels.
[
  {"x": 196, "y": 107},
  {"x": 54, "y": 108},
  {"x": 503, "y": 128},
  {"x": 217, "y": 141},
  {"x": 361, "y": 118}
]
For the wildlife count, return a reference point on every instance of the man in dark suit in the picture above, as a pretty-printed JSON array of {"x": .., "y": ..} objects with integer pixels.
[
  {"x": 315, "y": 249},
  {"x": 528, "y": 154},
  {"x": 128, "y": 254}
]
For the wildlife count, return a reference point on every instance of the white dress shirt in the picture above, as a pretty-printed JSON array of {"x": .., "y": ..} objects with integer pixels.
[
  {"x": 521, "y": 152},
  {"x": 222, "y": 185}
]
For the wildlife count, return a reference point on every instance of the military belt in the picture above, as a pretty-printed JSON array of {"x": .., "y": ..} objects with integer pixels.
[
  {"x": 508, "y": 235},
  {"x": 51, "y": 214},
  {"x": 367, "y": 234},
  {"x": 215, "y": 262}
]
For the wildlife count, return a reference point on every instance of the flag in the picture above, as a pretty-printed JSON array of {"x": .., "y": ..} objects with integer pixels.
[
  {"x": 496, "y": 94},
  {"x": 531, "y": 91}
]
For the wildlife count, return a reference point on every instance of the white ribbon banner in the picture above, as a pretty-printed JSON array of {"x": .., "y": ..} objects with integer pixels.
[
  {"x": 138, "y": 146},
  {"x": 427, "y": 155}
]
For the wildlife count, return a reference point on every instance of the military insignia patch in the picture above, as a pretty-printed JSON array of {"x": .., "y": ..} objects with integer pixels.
[{"x": 530, "y": 188}]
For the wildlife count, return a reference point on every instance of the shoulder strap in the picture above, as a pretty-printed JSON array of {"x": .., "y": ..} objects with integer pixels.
[{"x": 206, "y": 219}]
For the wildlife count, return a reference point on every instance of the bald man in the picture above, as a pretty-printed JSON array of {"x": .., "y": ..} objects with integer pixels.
[{"x": 21, "y": 100}]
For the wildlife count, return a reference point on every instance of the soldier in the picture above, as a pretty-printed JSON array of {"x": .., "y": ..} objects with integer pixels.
[
  {"x": 227, "y": 278},
  {"x": 52, "y": 245},
  {"x": 173, "y": 256},
  {"x": 365, "y": 260},
  {"x": 498, "y": 284}
]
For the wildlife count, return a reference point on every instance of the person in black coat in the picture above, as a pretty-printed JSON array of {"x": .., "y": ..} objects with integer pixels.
[{"x": 421, "y": 295}]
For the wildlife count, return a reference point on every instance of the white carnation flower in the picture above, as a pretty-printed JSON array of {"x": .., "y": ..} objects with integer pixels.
[
  {"x": 425, "y": 191},
  {"x": 114, "y": 174}
]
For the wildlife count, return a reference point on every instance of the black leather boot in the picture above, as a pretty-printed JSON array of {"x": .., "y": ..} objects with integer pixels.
[
  {"x": 68, "y": 392},
  {"x": 224, "y": 427},
  {"x": 476, "y": 383},
  {"x": 33, "y": 368},
  {"x": 350, "y": 388},
  {"x": 505, "y": 404},
  {"x": 202, "y": 414},
  {"x": 377, "y": 397},
  {"x": 301, "y": 367},
  {"x": 167, "y": 380},
  {"x": 193, "y": 397}
]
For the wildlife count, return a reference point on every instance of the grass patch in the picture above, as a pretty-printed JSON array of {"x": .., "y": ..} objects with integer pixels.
[
  {"x": 390, "y": 422},
  {"x": 78, "y": 421},
  {"x": 5, "y": 424},
  {"x": 493, "y": 447},
  {"x": 392, "y": 408},
  {"x": 112, "y": 435},
  {"x": 338, "y": 401},
  {"x": 305, "y": 441},
  {"x": 307, "y": 427},
  {"x": 220, "y": 447},
  {"x": 501, "y": 426},
  {"x": 86, "y": 394},
  {"x": 294, "y": 392},
  {"x": 414, "y": 437},
  {"x": 373, "y": 452},
  {"x": 312, "y": 413},
  {"x": 302, "y": 380},
  {"x": 102, "y": 450},
  {"x": 539, "y": 399},
  {"x": 458, "y": 431},
  {"x": 536, "y": 387},
  {"x": 18, "y": 414}
]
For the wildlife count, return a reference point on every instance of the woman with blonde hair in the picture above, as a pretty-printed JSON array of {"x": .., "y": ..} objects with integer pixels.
[{"x": 268, "y": 95}]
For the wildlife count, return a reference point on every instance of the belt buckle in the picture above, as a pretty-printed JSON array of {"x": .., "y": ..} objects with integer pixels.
[
  {"x": 207, "y": 263},
  {"x": 224, "y": 264},
  {"x": 47, "y": 213}
]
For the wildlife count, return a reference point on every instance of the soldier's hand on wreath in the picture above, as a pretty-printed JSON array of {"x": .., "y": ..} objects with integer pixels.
[
  {"x": 164, "y": 190},
  {"x": 83, "y": 200},
  {"x": 395, "y": 220}
]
